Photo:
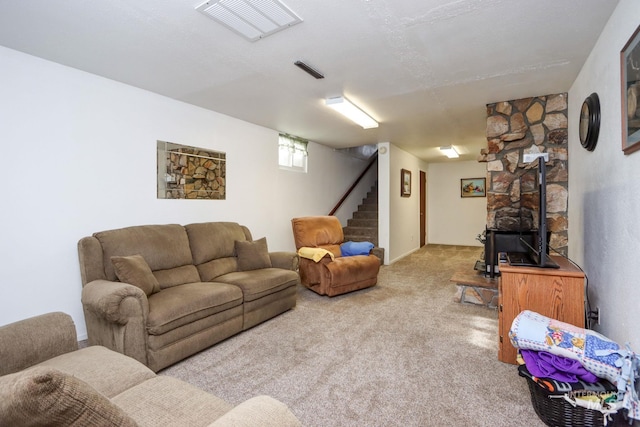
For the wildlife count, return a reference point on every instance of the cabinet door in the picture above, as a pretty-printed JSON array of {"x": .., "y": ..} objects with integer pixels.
[{"x": 553, "y": 295}]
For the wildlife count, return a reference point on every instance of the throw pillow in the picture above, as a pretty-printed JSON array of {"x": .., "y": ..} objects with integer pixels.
[
  {"x": 45, "y": 397},
  {"x": 355, "y": 248},
  {"x": 135, "y": 271},
  {"x": 252, "y": 255}
]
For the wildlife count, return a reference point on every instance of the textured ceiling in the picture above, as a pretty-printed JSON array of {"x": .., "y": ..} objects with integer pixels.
[{"x": 425, "y": 69}]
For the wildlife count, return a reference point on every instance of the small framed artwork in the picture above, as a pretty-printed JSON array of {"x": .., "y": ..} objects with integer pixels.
[
  {"x": 630, "y": 87},
  {"x": 473, "y": 187},
  {"x": 405, "y": 183}
]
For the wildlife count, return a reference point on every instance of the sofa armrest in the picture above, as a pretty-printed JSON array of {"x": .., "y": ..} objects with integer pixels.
[
  {"x": 284, "y": 259},
  {"x": 28, "y": 342},
  {"x": 263, "y": 411},
  {"x": 115, "y": 302}
]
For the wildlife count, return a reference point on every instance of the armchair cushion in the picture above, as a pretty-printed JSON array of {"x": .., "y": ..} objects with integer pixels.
[
  {"x": 135, "y": 271},
  {"x": 45, "y": 396},
  {"x": 253, "y": 255}
]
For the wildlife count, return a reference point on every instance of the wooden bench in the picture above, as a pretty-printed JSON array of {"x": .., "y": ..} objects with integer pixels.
[{"x": 472, "y": 287}]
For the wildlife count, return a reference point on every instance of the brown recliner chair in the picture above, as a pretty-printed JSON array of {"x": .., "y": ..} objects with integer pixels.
[{"x": 330, "y": 275}]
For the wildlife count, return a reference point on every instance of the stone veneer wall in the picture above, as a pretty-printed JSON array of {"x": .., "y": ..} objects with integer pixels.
[{"x": 516, "y": 127}]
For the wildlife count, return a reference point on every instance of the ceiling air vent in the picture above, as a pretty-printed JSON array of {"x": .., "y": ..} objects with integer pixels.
[{"x": 253, "y": 19}]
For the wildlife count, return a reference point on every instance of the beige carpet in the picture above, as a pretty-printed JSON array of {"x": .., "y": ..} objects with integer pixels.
[{"x": 399, "y": 354}]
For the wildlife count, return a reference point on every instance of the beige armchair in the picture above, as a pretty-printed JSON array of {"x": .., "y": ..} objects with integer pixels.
[{"x": 330, "y": 274}]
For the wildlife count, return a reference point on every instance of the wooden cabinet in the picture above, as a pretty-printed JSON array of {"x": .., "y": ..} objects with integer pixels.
[{"x": 555, "y": 293}]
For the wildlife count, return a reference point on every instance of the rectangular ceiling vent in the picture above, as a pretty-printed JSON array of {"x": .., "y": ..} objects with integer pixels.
[{"x": 253, "y": 19}]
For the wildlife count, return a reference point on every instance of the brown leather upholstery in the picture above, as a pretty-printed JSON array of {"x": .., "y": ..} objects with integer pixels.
[{"x": 331, "y": 277}]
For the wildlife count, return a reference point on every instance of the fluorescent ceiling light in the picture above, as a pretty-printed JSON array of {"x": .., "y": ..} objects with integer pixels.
[
  {"x": 350, "y": 111},
  {"x": 449, "y": 151},
  {"x": 253, "y": 19}
]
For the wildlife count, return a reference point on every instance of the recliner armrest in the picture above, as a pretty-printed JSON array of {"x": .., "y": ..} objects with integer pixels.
[
  {"x": 284, "y": 259},
  {"x": 30, "y": 341},
  {"x": 108, "y": 299}
]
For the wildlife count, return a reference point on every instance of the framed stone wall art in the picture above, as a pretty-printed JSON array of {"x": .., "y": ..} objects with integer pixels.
[
  {"x": 473, "y": 187},
  {"x": 630, "y": 86},
  {"x": 405, "y": 183},
  {"x": 186, "y": 172}
]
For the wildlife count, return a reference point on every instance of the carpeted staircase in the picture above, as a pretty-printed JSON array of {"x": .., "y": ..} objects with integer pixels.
[{"x": 363, "y": 226}]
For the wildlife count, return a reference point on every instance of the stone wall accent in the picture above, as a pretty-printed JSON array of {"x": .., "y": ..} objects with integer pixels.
[{"x": 529, "y": 125}]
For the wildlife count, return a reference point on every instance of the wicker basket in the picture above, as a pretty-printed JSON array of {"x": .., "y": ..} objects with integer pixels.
[{"x": 556, "y": 412}]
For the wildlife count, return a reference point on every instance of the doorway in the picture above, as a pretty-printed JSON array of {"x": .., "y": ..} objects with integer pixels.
[{"x": 423, "y": 208}]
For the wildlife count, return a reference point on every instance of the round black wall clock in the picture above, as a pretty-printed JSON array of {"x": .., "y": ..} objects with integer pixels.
[{"x": 590, "y": 122}]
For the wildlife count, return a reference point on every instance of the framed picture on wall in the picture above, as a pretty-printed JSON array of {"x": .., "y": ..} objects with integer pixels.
[
  {"x": 405, "y": 183},
  {"x": 473, "y": 187},
  {"x": 630, "y": 86}
]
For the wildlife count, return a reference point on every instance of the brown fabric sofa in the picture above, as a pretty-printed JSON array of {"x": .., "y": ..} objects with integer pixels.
[
  {"x": 46, "y": 380},
  {"x": 333, "y": 274},
  {"x": 160, "y": 293}
]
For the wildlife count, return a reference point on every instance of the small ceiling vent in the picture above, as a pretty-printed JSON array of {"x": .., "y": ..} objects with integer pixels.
[{"x": 253, "y": 19}]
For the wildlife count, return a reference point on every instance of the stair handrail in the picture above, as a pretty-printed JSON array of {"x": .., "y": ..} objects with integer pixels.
[{"x": 374, "y": 157}]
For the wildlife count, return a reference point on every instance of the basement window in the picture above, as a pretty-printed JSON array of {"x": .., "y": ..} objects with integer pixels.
[{"x": 292, "y": 153}]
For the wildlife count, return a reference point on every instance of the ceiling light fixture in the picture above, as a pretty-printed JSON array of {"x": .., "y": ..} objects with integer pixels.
[
  {"x": 450, "y": 152},
  {"x": 352, "y": 112},
  {"x": 315, "y": 73},
  {"x": 253, "y": 19}
]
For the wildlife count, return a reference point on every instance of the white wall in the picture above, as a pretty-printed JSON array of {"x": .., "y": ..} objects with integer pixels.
[
  {"x": 604, "y": 204},
  {"x": 399, "y": 224},
  {"x": 454, "y": 220},
  {"x": 79, "y": 156}
]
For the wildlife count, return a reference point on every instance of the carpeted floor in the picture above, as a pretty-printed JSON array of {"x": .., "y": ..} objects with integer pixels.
[{"x": 399, "y": 354}]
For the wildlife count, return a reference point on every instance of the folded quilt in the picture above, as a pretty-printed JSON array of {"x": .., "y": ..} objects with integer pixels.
[{"x": 316, "y": 254}]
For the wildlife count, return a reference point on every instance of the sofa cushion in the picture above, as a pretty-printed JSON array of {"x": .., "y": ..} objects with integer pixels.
[
  {"x": 252, "y": 255},
  {"x": 179, "y": 305},
  {"x": 162, "y": 246},
  {"x": 134, "y": 270},
  {"x": 259, "y": 283},
  {"x": 217, "y": 267},
  {"x": 258, "y": 411},
  {"x": 213, "y": 240},
  {"x": 43, "y": 396},
  {"x": 107, "y": 371},
  {"x": 165, "y": 401},
  {"x": 29, "y": 341},
  {"x": 177, "y": 276}
]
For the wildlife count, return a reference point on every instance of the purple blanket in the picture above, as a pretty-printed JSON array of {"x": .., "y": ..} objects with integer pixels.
[{"x": 548, "y": 365}]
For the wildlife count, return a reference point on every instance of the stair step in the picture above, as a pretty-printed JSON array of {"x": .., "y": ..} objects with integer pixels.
[
  {"x": 360, "y": 231},
  {"x": 368, "y": 207},
  {"x": 363, "y": 225},
  {"x": 363, "y": 222},
  {"x": 370, "y": 200},
  {"x": 365, "y": 215}
]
